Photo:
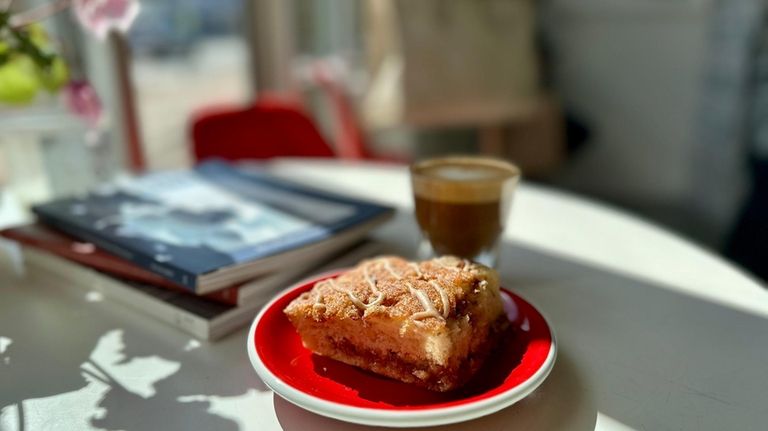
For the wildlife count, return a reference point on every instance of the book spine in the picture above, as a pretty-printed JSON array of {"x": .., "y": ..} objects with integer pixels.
[
  {"x": 229, "y": 295},
  {"x": 76, "y": 277},
  {"x": 176, "y": 275}
]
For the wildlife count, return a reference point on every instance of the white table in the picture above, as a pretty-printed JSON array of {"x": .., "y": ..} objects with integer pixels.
[{"x": 654, "y": 334}]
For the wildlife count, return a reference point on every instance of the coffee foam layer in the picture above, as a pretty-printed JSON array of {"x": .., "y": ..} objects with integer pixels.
[
  {"x": 464, "y": 172},
  {"x": 463, "y": 180}
]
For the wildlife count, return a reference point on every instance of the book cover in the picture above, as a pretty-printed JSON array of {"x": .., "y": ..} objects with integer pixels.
[{"x": 214, "y": 225}]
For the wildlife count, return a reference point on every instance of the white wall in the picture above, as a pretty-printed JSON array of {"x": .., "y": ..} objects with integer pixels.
[{"x": 633, "y": 70}]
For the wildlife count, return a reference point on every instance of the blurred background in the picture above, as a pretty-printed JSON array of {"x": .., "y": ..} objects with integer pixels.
[{"x": 652, "y": 106}]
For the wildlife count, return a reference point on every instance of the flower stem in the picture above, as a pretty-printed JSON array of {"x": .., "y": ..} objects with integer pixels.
[{"x": 39, "y": 13}]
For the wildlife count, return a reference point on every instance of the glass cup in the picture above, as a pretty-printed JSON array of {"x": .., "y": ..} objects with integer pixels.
[{"x": 462, "y": 204}]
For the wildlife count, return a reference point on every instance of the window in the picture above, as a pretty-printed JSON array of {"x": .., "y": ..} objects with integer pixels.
[{"x": 187, "y": 55}]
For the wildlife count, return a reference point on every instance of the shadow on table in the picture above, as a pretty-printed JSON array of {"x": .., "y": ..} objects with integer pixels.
[
  {"x": 632, "y": 353},
  {"x": 126, "y": 410},
  {"x": 99, "y": 378},
  {"x": 184, "y": 400}
]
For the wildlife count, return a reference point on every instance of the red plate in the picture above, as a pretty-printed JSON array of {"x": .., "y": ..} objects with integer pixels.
[{"x": 334, "y": 389}]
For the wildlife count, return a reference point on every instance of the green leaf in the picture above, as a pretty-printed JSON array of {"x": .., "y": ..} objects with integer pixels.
[
  {"x": 24, "y": 44},
  {"x": 38, "y": 36},
  {"x": 18, "y": 81},
  {"x": 55, "y": 76},
  {"x": 5, "y": 52}
]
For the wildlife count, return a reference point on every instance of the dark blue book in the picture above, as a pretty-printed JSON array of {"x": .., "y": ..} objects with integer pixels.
[{"x": 215, "y": 225}]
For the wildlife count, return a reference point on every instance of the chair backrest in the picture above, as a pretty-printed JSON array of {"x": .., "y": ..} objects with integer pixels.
[{"x": 269, "y": 128}]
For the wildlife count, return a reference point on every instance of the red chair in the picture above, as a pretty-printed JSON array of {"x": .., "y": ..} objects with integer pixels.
[
  {"x": 278, "y": 127},
  {"x": 270, "y": 128}
]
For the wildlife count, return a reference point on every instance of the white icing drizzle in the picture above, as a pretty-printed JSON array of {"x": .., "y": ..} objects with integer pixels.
[
  {"x": 351, "y": 295},
  {"x": 319, "y": 304},
  {"x": 355, "y": 300},
  {"x": 467, "y": 265},
  {"x": 416, "y": 268},
  {"x": 389, "y": 268},
  {"x": 372, "y": 283},
  {"x": 371, "y": 280},
  {"x": 429, "y": 308},
  {"x": 443, "y": 297}
]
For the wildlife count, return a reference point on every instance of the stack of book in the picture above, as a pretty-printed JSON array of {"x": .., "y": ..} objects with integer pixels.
[{"x": 200, "y": 249}]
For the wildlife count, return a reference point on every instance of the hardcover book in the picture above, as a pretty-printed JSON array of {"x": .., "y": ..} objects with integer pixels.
[
  {"x": 38, "y": 237},
  {"x": 195, "y": 315},
  {"x": 215, "y": 225}
]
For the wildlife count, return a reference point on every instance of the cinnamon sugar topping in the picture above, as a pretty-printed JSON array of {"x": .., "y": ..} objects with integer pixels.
[
  {"x": 388, "y": 267},
  {"x": 352, "y": 297},
  {"x": 394, "y": 287},
  {"x": 430, "y": 323},
  {"x": 415, "y": 267}
]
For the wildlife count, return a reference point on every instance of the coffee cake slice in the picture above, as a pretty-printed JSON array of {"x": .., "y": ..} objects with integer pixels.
[{"x": 430, "y": 323}]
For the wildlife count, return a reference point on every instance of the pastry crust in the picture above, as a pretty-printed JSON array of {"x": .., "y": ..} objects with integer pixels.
[{"x": 429, "y": 323}]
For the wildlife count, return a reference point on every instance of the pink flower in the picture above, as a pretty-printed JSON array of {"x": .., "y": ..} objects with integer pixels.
[
  {"x": 82, "y": 100},
  {"x": 101, "y": 16}
]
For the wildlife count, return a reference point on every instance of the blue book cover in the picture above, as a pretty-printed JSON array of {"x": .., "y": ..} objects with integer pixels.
[{"x": 187, "y": 224}]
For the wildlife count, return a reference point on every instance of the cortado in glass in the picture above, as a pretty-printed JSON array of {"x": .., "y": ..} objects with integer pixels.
[{"x": 462, "y": 204}]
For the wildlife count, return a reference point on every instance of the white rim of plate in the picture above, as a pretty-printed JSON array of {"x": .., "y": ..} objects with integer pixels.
[{"x": 390, "y": 417}]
